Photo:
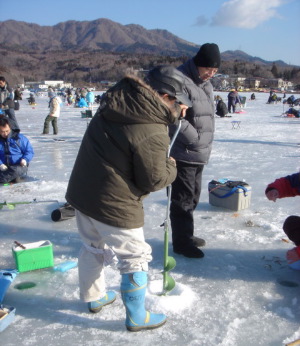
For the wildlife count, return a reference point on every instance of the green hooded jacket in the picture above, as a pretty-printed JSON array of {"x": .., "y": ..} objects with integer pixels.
[{"x": 123, "y": 156}]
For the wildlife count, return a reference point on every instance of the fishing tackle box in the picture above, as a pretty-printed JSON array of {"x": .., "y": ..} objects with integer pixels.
[{"x": 229, "y": 194}]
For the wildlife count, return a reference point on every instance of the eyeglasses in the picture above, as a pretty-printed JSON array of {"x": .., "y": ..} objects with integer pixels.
[{"x": 212, "y": 70}]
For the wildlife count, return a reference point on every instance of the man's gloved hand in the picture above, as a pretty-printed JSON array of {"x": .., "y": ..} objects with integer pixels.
[
  {"x": 3, "y": 167},
  {"x": 293, "y": 258},
  {"x": 23, "y": 163}
]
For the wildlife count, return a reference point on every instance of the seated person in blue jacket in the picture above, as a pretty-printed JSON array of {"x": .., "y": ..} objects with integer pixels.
[{"x": 15, "y": 153}]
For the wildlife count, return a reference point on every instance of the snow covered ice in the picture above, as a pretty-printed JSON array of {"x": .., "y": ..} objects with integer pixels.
[{"x": 241, "y": 293}]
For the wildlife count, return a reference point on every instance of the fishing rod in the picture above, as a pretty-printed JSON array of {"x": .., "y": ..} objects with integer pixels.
[{"x": 12, "y": 205}]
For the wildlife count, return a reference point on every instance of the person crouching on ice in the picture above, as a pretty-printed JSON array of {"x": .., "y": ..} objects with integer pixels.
[
  {"x": 122, "y": 158},
  {"x": 288, "y": 186},
  {"x": 15, "y": 153}
]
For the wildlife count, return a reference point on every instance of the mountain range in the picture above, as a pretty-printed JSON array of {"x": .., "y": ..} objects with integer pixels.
[{"x": 106, "y": 36}]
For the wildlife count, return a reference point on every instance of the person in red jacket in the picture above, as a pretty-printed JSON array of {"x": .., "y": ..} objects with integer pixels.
[{"x": 288, "y": 186}]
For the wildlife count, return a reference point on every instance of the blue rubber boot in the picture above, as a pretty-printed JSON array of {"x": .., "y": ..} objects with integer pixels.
[
  {"x": 97, "y": 305},
  {"x": 133, "y": 289}
]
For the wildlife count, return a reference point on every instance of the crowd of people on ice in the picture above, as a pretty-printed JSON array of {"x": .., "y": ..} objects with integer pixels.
[
  {"x": 236, "y": 103},
  {"x": 80, "y": 97},
  {"x": 125, "y": 154}
]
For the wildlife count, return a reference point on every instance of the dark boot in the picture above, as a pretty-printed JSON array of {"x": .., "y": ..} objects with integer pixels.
[
  {"x": 199, "y": 242},
  {"x": 189, "y": 251}
]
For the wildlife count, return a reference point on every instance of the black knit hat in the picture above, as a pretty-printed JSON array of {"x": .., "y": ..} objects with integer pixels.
[
  {"x": 166, "y": 79},
  {"x": 208, "y": 56},
  {"x": 291, "y": 228}
]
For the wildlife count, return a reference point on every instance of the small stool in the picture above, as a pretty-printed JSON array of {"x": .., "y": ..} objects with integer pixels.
[{"x": 235, "y": 124}]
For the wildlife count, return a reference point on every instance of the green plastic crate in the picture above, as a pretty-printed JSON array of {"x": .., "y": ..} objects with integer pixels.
[
  {"x": 36, "y": 256},
  {"x": 87, "y": 114}
]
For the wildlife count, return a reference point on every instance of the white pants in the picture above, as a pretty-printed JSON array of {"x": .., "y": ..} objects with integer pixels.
[{"x": 129, "y": 246}]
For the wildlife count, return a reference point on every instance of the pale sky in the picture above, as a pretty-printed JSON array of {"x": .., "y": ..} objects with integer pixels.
[{"x": 268, "y": 29}]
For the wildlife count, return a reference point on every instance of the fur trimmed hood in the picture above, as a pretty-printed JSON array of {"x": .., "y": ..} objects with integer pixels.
[
  {"x": 123, "y": 155},
  {"x": 132, "y": 101}
]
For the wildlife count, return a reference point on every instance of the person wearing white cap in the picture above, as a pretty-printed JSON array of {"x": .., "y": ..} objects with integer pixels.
[{"x": 54, "y": 112}]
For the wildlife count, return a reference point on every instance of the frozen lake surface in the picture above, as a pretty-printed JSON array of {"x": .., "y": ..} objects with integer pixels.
[{"x": 235, "y": 296}]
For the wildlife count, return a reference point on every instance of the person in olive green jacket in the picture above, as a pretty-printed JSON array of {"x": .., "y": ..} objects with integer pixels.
[{"x": 122, "y": 158}]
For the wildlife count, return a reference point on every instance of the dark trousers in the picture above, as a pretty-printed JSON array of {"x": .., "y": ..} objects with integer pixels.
[
  {"x": 291, "y": 228},
  {"x": 12, "y": 119},
  {"x": 12, "y": 173},
  {"x": 231, "y": 104},
  {"x": 49, "y": 119},
  {"x": 185, "y": 196}
]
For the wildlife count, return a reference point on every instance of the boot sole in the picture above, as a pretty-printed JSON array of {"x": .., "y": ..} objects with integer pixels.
[
  {"x": 187, "y": 255},
  {"x": 138, "y": 329},
  {"x": 95, "y": 310}
]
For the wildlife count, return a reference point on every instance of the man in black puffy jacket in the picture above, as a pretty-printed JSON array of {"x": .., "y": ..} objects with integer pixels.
[{"x": 192, "y": 148}]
